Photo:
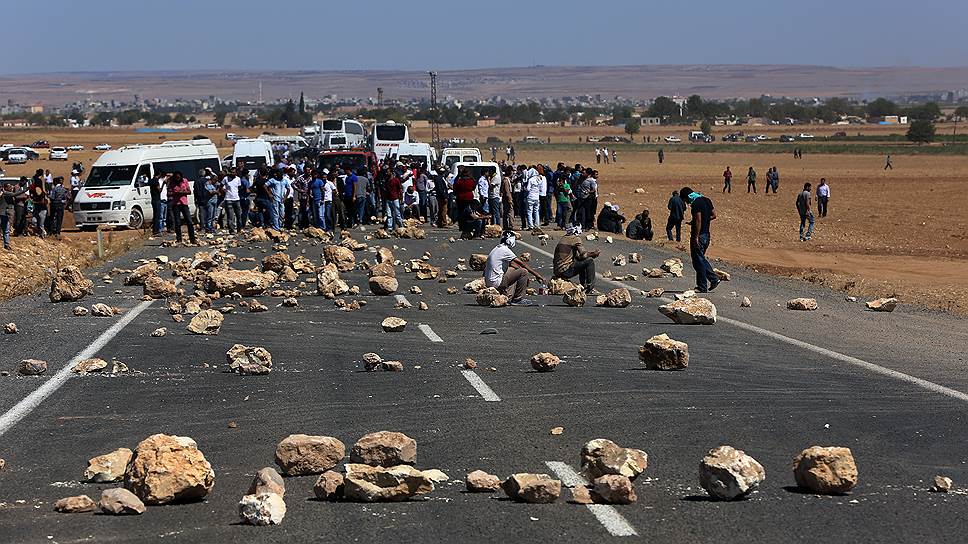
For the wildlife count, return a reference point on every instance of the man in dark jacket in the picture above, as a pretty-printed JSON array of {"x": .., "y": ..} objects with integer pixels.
[
  {"x": 640, "y": 228},
  {"x": 609, "y": 219},
  {"x": 677, "y": 210}
]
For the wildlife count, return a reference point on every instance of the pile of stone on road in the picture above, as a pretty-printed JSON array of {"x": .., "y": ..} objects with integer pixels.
[
  {"x": 691, "y": 311},
  {"x": 70, "y": 285},
  {"x": 491, "y": 297},
  {"x": 328, "y": 282},
  {"x": 616, "y": 298},
  {"x": 602, "y": 456},
  {"x": 532, "y": 488}
]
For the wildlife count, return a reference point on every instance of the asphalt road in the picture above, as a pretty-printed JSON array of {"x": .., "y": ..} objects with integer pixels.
[{"x": 766, "y": 380}]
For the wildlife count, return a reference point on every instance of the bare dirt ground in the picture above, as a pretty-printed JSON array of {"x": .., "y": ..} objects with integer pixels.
[{"x": 898, "y": 232}]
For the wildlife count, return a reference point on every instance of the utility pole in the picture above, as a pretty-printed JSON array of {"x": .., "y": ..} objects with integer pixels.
[
  {"x": 260, "y": 91},
  {"x": 379, "y": 97},
  {"x": 434, "y": 112}
]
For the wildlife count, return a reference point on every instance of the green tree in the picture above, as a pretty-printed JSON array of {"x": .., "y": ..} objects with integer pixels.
[
  {"x": 706, "y": 127},
  {"x": 962, "y": 112},
  {"x": 928, "y": 112},
  {"x": 663, "y": 106},
  {"x": 632, "y": 127},
  {"x": 694, "y": 106},
  {"x": 921, "y": 131},
  {"x": 881, "y": 107},
  {"x": 180, "y": 118},
  {"x": 302, "y": 104}
]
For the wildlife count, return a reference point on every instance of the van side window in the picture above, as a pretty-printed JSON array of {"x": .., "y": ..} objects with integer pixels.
[{"x": 144, "y": 174}]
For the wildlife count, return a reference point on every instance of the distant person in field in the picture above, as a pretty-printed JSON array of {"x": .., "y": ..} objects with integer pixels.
[
  {"x": 751, "y": 181},
  {"x": 614, "y": 156},
  {"x": 823, "y": 196},
  {"x": 805, "y": 209},
  {"x": 888, "y": 164},
  {"x": 677, "y": 212},
  {"x": 640, "y": 228},
  {"x": 727, "y": 180},
  {"x": 605, "y": 154},
  {"x": 772, "y": 180},
  {"x": 702, "y": 215},
  {"x": 598, "y": 155},
  {"x": 661, "y": 155}
]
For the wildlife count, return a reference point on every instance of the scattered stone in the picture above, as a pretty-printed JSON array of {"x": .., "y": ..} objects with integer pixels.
[
  {"x": 159, "y": 332},
  {"x": 422, "y": 306},
  {"x": 478, "y": 261},
  {"x": 491, "y": 297},
  {"x": 102, "y": 310},
  {"x": 722, "y": 274},
  {"x": 450, "y": 273},
  {"x": 557, "y": 431},
  {"x": 426, "y": 271},
  {"x": 470, "y": 364},
  {"x": 392, "y": 366},
  {"x": 580, "y": 495},
  {"x": 493, "y": 231},
  {"x": 634, "y": 258},
  {"x": 384, "y": 448},
  {"x": 545, "y": 362},
  {"x": 728, "y": 474},
  {"x": 169, "y": 469},
  {"x": 290, "y": 302},
  {"x": 653, "y": 272},
  {"x": 383, "y": 285},
  {"x": 436, "y": 476},
  {"x": 639, "y": 191},
  {"x": 328, "y": 282},
  {"x": 340, "y": 256},
  {"x": 942, "y": 484},
  {"x": 267, "y": 480},
  {"x": 371, "y": 361},
  {"x": 257, "y": 307},
  {"x": 825, "y": 470},
  {"x": 746, "y": 302},
  {"x": 301, "y": 454},
  {"x": 617, "y": 298},
  {"x": 451, "y": 290},
  {"x": 92, "y": 364},
  {"x": 262, "y": 509},
  {"x": 80, "y": 311},
  {"x": 802, "y": 304},
  {"x": 619, "y": 260},
  {"x": 602, "y": 456},
  {"x": 655, "y": 293},
  {"x": 475, "y": 286},
  {"x": 532, "y": 488},
  {"x": 402, "y": 305},
  {"x": 614, "y": 489},
  {"x": 365, "y": 483},
  {"x": 882, "y": 304},
  {"x": 329, "y": 486},
  {"x": 109, "y": 467},
  {"x": 591, "y": 237},
  {"x": 574, "y": 297},
  {"x": 415, "y": 290},
  {"x": 302, "y": 265},
  {"x": 248, "y": 283},
  {"x": 117, "y": 367},
  {"x": 10, "y": 328},
  {"x": 74, "y": 505},
  {"x": 206, "y": 322},
  {"x": 479, "y": 481},
  {"x": 673, "y": 266},
  {"x": 394, "y": 324},
  {"x": 69, "y": 285},
  {"x": 177, "y": 318},
  {"x": 157, "y": 287},
  {"x": 32, "y": 367},
  {"x": 249, "y": 360},
  {"x": 691, "y": 311},
  {"x": 849, "y": 298},
  {"x": 663, "y": 353},
  {"x": 688, "y": 293},
  {"x": 120, "y": 502},
  {"x": 558, "y": 286}
]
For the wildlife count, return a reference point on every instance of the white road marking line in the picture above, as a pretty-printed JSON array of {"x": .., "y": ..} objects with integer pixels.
[
  {"x": 482, "y": 388},
  {"x": 401, "y": 299},
  {"x": 877, "y": 369},
  {"x": 614, "y": 523},
  {"x": 33, "y": 400},
  {"x": 429, "y": 333}
]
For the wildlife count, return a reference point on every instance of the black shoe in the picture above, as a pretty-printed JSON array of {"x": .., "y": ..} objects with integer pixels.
[
  {"x": 714, "y": 285},
  {"x": 699, "y": 289}
]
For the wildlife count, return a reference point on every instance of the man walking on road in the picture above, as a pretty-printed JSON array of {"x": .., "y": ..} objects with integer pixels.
[
  {"x": 805, "y": 210},
  {"x": 677, "y": 211},
  {"x": 727, "y": 181},
  {"x": 571, "y": 259},
  {"x": 702, "y": 215},
  {"x": 508, "y": 274}
]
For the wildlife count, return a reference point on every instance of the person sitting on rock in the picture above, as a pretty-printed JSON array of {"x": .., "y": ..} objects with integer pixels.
[
  {"x": 505, "y": 272},
  {"x": 571, "y": 259},
  {"x": 640, "y": 228},
  {"x": 609, "y": 219}
]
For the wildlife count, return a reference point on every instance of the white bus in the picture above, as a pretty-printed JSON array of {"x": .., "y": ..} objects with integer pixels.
[
  {"x": 116, "y": 192},
  {"x": 387, "y": 136},
  {"x": 354, "y": 130}
]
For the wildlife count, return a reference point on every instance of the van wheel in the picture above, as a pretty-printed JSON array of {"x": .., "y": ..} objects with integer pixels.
[{"x": 137, "y": 219}]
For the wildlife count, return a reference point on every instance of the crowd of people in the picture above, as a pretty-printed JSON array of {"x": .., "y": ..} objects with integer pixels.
[{"x": 33, "y": 205}]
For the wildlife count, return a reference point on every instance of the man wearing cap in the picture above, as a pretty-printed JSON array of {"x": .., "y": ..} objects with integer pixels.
[
  {"x": 504, "y": 271},
  {"x": 571, "y": 259},
  {"x": 702, "y": 215}
]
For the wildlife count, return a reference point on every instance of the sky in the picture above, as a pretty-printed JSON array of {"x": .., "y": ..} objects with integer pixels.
[{"x": 118, "y": 35}]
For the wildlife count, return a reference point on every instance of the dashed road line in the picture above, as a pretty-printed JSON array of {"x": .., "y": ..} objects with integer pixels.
[
  {"x": 486, "y": 392},
  {"x": 614, "y": 523},
  {"x": 429, "y": 333},
  {"x": 837, "y": 356}
]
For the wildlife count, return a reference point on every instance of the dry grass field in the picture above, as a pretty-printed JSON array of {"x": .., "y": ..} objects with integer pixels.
[{"x": 898, "y": 232}]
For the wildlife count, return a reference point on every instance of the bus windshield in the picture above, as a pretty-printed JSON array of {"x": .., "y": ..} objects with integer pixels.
[
  {"x": 110, "y": 176},
  {"x": 341, "y": 161},
  {"x": 393, "y": 133},
  {"x": 333, "y": 124}
]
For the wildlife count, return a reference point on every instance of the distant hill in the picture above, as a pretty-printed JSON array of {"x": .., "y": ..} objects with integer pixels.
[{"x": 647, "y": 81}]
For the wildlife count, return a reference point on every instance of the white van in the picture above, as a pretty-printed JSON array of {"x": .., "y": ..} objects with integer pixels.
[
  {"x": 476, "y": 169},
  {"x": 459, "y": 154},
  {"x": 254, "y": 152},
  {"x": 387, "y": 136},
  {"x": 116, "y": 192},
  {"x": 416, "y": 152},
  {"x": 338, "y": 140}
]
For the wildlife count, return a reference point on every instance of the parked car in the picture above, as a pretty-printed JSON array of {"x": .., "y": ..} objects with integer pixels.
[
  {"x": 16, "y": 155},
  {"x": 615, "y": 139},
  {"x": 57, "y": 154},
  {"x": 673, "y": 139},
  {"x": 787, "y": 138},
  {"x": 840, "y": 134},
  {"x": 39, "y": 144},
  {"x": 102, "y": 147},
  {"x": 75, "y": 147},
  {"x": 28, "y": 152},
  {"x": 532, "y": 140},
  {"x": 752, "y": 138},
  {"x": 805, "y": 136},
  {"x": 762, "y": 138}
]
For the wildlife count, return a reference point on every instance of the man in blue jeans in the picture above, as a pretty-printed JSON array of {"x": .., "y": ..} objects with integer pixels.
[{"x": 702, "y": 215}]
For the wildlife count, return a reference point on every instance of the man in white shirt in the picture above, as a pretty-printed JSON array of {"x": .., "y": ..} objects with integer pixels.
[
  {"x": 504, "y": 271},
  {"x": 232, "y": 203},
  {"x": 482, "y": 192},
  {"x": 535, "y": 182}
]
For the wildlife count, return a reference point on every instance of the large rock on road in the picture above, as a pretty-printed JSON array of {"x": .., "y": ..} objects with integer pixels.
[
  {"x": 169, "y": 469},
  {"x": 690, "y": 311}
]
